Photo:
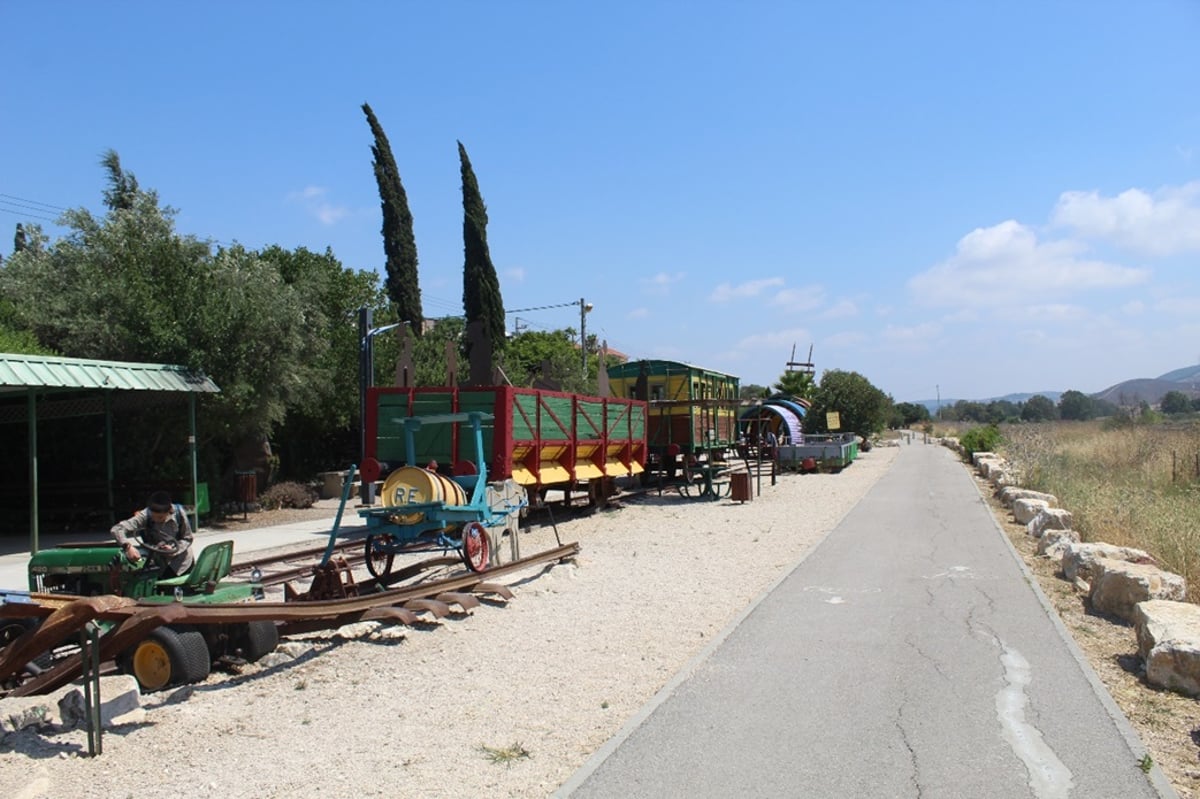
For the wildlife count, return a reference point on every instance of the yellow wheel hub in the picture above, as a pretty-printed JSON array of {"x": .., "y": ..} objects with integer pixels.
[{"x": 151, "y": 665}]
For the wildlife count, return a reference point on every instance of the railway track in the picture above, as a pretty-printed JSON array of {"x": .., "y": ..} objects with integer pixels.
[{"x": 63, "y": 616}]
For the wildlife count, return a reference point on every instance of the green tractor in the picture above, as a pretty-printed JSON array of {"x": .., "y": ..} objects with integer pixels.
[{"x": 169, "y": 655}]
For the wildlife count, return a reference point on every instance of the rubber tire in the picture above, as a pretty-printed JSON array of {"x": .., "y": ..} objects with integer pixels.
[
  {"x": 12, "y": 629},
  {"x": 188, "y": 659},
  {"x": 258, "y": 638}
]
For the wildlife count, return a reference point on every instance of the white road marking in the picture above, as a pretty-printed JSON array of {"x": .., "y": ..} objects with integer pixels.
[{"x": 1049, "y": 778}]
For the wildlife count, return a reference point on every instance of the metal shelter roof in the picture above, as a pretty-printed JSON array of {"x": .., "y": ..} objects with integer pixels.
[
  {"x": 19, "y": 373},
  {"x": 33, "y": 376},
  {"x": 786, "y": 416}
]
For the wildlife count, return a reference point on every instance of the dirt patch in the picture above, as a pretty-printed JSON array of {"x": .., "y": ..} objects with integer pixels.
[{"x": 1167, "y": 722}]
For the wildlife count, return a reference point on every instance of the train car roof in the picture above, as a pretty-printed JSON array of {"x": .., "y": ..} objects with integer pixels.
[{"x": 660, "y": 366}]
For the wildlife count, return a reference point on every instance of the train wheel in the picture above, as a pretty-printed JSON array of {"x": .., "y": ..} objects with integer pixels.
[
  {"x": 379, "y": 554},
  {"x": 168, "y": 657},
  {"x": 476, "y": 548}
]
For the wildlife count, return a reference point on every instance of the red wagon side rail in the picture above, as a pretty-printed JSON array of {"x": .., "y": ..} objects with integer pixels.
[{"x": 538, "y": 438}]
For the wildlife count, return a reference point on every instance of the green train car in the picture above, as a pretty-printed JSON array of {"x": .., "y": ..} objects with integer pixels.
[{"x": 691, "y": 410}]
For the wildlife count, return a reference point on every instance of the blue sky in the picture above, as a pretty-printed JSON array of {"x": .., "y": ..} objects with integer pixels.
[{"x": 965, "y": 198}]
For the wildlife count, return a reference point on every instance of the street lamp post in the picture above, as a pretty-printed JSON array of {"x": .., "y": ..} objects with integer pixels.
[
  {"x": 366, "y": 379},
  {"x": 584, "y": 308}
]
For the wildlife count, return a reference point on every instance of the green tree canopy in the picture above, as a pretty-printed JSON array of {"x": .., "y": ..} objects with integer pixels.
[
  {"x": 908, "y": 414},
  {"x": 1076, "y": 406},
  {"x": 796, "y": 384},
  {"x": 1039, "y": 408},
  {"x": 127, "y": 286},
  {"x": 1175, "y": 402},
  {"x": 863, "y": 408},
  {"x": 752, "y": 391},
  {"x": 540, "y": 358}
]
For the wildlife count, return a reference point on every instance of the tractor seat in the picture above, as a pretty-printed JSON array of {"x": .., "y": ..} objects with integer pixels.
[{"x": 212, "y": 564}]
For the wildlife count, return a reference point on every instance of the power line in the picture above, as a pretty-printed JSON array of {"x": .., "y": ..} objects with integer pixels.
[
  {"x": 46, "y": 206},
  {"x": 26, "y": 214}
]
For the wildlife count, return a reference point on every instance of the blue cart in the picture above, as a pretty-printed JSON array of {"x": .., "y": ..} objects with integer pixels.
[{"x": 424, "y": 509}]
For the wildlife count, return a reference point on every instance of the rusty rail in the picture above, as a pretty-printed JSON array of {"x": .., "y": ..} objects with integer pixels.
[{"x": 64, "y": 615}]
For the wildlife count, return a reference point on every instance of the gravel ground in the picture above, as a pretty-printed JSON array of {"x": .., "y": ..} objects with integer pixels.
[{"x": 508, "y": 700}]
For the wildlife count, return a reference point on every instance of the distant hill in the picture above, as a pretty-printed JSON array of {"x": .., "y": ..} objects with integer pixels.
[
  {"x": 1127, "y": 392},
  {"x": 1152, "y": 389},
  {"x": 932, "y": 404},
  {"x": 1188, "y": 374}
]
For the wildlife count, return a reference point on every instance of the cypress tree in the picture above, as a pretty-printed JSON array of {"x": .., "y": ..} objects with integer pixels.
[
  {"x": 19, "y": 243},
  {"x": 122, "y": 186},
  {"x": 399, "y": 244},
  {"x": 481, "y": 288}
]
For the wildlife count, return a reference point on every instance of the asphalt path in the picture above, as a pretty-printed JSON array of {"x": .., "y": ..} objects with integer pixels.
[{"x": 909, "y": 655}]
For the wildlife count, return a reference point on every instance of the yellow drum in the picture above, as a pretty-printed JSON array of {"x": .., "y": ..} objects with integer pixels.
[{"x": 411, "y": 484}]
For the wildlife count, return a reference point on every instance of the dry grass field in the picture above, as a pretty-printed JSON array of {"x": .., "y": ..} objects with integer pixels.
[{"x": 1132, "y": 485}]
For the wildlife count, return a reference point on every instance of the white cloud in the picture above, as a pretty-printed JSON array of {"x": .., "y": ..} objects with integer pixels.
[
  {"x": 1006, "y": 265},
  {"x": 913, "y": 334},
  {"x": 307, "y": 193},
  {"x": 779, "y": 340},
  {"x": 329, "y": 214},
  {"x": 840, "y": 310},
  {"x": 965, "y": 316},
  {"x": 1181, "y": 306},
  {"x": 843, "y": 340},
  {"x": 1134, "y": 307},
  {"x": 515, "y": 274},
  {"x": 1164, "y": 223},
  {"x": 660, "y": 283},
  {"x": 1051, "y": 312},
  {"x": 638, "y": 313},
  {"x": 804, "y": 298},
  {"x": 743, "y": 291},
  {"x": 325, "y": 213}
]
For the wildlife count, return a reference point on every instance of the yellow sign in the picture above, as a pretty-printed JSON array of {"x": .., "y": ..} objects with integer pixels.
[{"x": 833, "y": 420}]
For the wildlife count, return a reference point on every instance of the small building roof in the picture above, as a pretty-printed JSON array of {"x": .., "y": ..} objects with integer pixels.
[{"x": 18, "y": 373}]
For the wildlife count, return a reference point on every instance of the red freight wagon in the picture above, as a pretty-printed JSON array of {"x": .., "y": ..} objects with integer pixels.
[{"x": 538, "y": 438}]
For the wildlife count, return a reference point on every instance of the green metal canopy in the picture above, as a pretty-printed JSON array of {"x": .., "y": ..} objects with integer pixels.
[
  {"x": 19, "y": 373},
  {"x": 37, "y": 376}
]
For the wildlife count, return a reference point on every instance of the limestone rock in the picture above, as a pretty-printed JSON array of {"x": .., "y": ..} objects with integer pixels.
[
  {"x": 120, "y": 703},
  {"x": 1055, "y": 542},
  {"x": 1050, "y": 519},
  {"x": 1024, "y": 510},
  {"x": 1168, "y": 636},
  {"x": 1118, "y": 585},
  {"x": 1010, "y": 494},
  {"x": 982, "y": 456},
  {"x": 1078, "y": 560}
]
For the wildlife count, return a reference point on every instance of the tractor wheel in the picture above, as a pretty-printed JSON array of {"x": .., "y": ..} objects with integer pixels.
[
  {"x": 166, "y": 657},
  {"x": 11, "y": 630},
  {"x": 476, "y": 549},
  {"x": 258, "y": 638}
]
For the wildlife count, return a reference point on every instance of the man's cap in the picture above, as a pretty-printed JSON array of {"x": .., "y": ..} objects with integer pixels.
[{"x": 160, "y": 502}]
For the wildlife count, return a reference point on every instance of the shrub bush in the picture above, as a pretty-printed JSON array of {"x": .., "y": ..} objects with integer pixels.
[
  {"x": 288, "y": 495},
  {"x": 981, "y": 439}
]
